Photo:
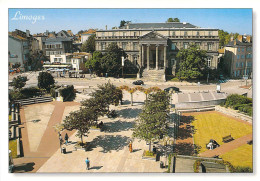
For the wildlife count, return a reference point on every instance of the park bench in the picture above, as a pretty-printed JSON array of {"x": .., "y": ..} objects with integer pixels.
[{"x": 227, "y": 139}]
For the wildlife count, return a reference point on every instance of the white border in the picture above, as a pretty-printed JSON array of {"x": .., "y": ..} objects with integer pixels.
[{"x": 4, "y": 5}]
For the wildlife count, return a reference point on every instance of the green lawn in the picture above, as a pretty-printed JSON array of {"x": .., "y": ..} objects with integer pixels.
[
  {"x": 212, "y": 125},
  {"x": 241, "y": 156},
  {"x": 13, "y": 148}
]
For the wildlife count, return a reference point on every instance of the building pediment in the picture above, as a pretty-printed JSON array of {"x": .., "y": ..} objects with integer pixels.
[{"x": 153, "y": 37}]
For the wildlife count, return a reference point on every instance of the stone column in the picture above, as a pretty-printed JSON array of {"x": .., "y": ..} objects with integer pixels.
[
  {"x": 164, "y": 57},
  {"x": 140, "y": 57},
  {"x": 12, "y": 113},
  {"x": 157, "y": 57},
  {"x": 148, "y": 59},
  {"x": 142, "y": 65}
]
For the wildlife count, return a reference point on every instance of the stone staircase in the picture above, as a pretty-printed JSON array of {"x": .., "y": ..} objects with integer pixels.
[{"x": 154, "y": 75}]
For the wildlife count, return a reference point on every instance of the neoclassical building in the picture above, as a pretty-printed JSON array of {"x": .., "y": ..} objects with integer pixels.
[{"x": 154, "y": 46}]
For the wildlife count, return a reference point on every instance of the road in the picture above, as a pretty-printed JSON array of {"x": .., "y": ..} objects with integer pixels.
[{"x": 232, "y": 86}]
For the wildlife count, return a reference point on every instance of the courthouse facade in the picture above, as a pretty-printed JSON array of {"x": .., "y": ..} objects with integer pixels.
[{"x": 153, "y": 46}]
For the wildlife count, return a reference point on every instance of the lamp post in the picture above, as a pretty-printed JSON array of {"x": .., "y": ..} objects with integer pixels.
[{"x": 123, "y": 63}]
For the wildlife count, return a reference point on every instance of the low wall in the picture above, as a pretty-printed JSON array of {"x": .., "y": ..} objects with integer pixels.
[
  {"x": 234, "y": 113},
  {"x": 183, "y": 105}
]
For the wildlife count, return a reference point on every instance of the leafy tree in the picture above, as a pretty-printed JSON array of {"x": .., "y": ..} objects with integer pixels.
[
  {"x": 89, "y": 45},
  {"x": 45, "y": 80},
  {"x": 153, "y": 120},
  {"x": 111, "y": 61},
  {"x": 170, "y": 20},
  {"x": 122, "y": 23},
  {"x": 80, "y": 120},
  {"x": 19, "y": 82},
  {"x": 176, "y": 20},
  {"x": 95, "y": 62},
  {"x": 192, "y": 63}
]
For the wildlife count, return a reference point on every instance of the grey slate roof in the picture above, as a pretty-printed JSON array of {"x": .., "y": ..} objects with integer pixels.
[
  {"x": 231, "y": 43},
  {"x": 159, "y": 25},
  {"x": 59, "y": 39}
]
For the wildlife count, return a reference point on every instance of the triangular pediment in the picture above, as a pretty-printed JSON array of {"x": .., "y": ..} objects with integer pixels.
[{"x": 153, "y": 36}]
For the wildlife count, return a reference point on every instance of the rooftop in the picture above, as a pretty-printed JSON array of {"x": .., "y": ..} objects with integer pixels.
[{"x": 158, "y": 25}]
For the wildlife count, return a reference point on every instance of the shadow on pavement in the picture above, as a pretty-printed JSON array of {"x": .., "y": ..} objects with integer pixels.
[
  {"x": 25, "y": 167},
  {"x": 110, "y": 142},
  {"x": 117, "y": 126},
  {"x": 96, "y": 168},
  {"x": 129, "y": 113}
]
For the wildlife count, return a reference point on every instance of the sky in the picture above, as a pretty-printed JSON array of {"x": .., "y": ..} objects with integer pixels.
[{"x": 40, "y": 20}]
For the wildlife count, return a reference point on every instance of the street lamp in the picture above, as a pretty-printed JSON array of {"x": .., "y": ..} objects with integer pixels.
[{"x": 123, "y": 63}]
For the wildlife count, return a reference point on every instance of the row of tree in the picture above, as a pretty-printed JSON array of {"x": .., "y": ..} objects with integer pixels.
[{"x": 93, "y": 108}]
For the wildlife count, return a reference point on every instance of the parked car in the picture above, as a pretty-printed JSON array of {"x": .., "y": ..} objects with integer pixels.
[
  {"x": 138, "y": 82},
  {"x": 176, "y": 89}
]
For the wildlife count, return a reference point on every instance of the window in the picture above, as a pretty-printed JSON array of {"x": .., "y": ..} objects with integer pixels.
[
  {"x": 47, "y": 53},
  {"x": 113, "y": 34},
  {"x": 124, "y": 45},
  {"x": 173, "y": 33},
  {"x": 198, "y": 33},
  {"x": 185, "y": 45},
  {"x": 103, "y": 33},
  {"x": 243, "y": 49},
  {"x": 210, "y": 33},
  {"x": 237, "y": 56},
  {"x": 238, "y": 49},
  {"x": 185, "y": 33},
  {"x": 135, "y": 34},
  {"x": 238, "y": 72},
  {"x": 135, "y": 46},
  {"x": 197, "y": 44},
  {"x": 242, "y": 64},
  {"x": 209, "y": 61},
  {"x": 237, "y": 64},
  {"x": 173, "y": 46},
  {"x": 124, "y": 33},
  {"x": 248, "y": 49},
  {"x": 209, "y": 46},
  {"x": 103, "y": 46},
  {"x": 242, "y": 56}
]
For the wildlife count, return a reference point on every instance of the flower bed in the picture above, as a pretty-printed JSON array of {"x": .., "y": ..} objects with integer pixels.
[{"x": 149, "y": 155}]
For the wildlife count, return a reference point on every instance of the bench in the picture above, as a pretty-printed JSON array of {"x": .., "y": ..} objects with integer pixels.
[{"x": 227, "y": 139}]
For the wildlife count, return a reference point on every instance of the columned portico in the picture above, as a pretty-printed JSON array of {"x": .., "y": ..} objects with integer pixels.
[{"x": 157, "y": 57}]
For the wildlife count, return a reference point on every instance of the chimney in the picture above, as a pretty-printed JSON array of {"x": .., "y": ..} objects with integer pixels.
[
  {"x": 232, "y": 38},
  {"x": 27, "y": 33},
  {"x": 240, "y": 38},
  {"x": 248, "y": 39},
  {"x": 106, "y": 27}
]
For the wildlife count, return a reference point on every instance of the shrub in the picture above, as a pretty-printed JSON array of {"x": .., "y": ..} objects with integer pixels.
[
  {"x": 31, "y": 92},
  {"x": 235, "y": 99},
  {"x": 239, "y": 169},
  {"x": 67, "y": 92},
  {"x": 45, "y": 80},
  {"x": 149, "y": 153},
  {"x": 175, "y": 79},
  {"x": 52, "y": 91}
]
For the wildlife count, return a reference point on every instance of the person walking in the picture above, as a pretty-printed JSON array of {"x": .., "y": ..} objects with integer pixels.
[
  {"x": 66, "y": 138},
  {"x": 87, "y": 163}
]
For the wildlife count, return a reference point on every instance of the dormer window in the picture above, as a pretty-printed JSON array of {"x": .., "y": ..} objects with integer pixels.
[
  {"x": 185, "y": 33},
  {"x": 173, "y": 33}
]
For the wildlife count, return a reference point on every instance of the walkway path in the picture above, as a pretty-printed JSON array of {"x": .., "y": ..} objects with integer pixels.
[
  {"x": 48, "y": 145},
  {"x": 226, "y": 147}
]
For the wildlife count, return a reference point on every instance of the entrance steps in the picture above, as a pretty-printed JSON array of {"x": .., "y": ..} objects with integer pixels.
[{"x": 154, "y": 75}]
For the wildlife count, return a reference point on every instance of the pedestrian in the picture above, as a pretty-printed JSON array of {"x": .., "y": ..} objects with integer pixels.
[
  {"x": 87, "y": 163},
  {"x": 66, "y": 138},
  {"x": 130, "y": 147}
]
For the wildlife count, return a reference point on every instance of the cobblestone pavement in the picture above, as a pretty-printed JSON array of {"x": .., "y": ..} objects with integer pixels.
[{"x": 108, "y": 150}]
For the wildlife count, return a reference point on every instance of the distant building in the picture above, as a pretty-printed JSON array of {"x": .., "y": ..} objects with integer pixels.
[
  {"x": 239, "y": 56},
  {"x": 154, "y": 46},
  {"x": 20, "y": 46},
  {"x": 18, "y": 51},
  {"x": 86, "y": 35}
]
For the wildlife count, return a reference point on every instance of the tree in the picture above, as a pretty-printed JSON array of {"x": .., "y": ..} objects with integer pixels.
[
  {"x": 89, "y": 45},
  {"x": 111, "y": 61},
  {"x": 153, "y": 120},
  {"x": 173, "y": 20},
  {"x": 122, "y": 23},
  {"x": 19, "y": 82},
  {"x": 45, "y": 80},
  {"x": 192, "y": 62},
  {"x": 169, "y": 20},
  {"x": 80, "y": 120},
  {"x": 176, "y": 20},
  {"x": 95, "y": 62}
]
